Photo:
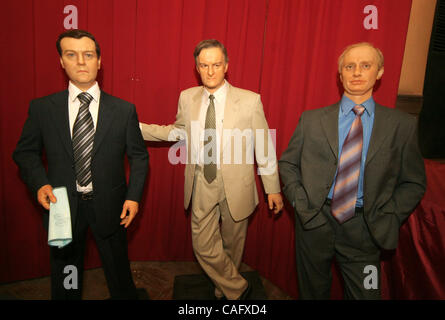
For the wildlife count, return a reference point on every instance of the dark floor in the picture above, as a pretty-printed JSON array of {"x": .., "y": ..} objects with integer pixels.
[{"x": 155, "y": 277}]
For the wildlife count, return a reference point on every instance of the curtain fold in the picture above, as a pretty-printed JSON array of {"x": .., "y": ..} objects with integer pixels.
[{"x": 415, "y": 270}]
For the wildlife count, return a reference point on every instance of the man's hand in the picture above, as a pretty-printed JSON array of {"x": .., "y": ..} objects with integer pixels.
[
  {"x": 132, "y": 207},
  {"x": 275, "y": 202},
  {"x": 45, "y": 195}
]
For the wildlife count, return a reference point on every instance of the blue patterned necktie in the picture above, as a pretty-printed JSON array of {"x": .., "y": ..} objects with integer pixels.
[{"x": 346, "y": 183}]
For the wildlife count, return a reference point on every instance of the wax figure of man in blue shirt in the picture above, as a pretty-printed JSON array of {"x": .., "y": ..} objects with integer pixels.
[{"x": 354, "y": 173}]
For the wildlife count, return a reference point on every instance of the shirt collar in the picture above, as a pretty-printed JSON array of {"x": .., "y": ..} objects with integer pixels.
[
  {"x": 218, "y": 94},
  {"x": 346, "y": 105},
  {"x": 74, "y": 91}
]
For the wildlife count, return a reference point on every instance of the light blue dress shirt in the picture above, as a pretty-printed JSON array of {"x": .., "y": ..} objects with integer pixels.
[{"x": 345, "y": 118}]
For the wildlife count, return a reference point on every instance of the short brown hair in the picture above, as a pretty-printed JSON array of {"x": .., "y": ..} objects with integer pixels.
[
  {"x": 76, "y": 34},
  {"x": 380, "y": 59},
  {"x": 210, "y": 43}
]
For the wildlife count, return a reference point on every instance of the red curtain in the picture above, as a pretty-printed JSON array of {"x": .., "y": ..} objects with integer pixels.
[
  {"x": 416, "y": 269},
  {"x": 286, "y": 50}
]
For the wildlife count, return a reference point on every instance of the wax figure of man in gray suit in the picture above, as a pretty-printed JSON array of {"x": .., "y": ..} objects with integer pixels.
[
  {"x": 221, "y": 190},
  {"x": 86, "y": 134},
  {"x": 354, "y": 173}
]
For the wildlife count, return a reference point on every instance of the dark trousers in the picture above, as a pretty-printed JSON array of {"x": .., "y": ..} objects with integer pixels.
[
  {"x": 113, "y": 253},
  {"x": 352, "y": 247}
]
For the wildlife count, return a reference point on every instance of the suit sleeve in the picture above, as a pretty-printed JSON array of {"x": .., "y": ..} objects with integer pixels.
[
  {"x": 172, "y": 132},
  {"x": 412, "y": 180},
  {"x": 137, "y": 157},
  {"x": 28, "y": 152},
  {"x": 265, "y": 151},
  {"x": 290, "y": 162}
]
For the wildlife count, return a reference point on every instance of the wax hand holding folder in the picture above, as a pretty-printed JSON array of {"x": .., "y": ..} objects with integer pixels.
[
  {"x": 59, "y": 228},
  {"x": 45, "y": 196}
]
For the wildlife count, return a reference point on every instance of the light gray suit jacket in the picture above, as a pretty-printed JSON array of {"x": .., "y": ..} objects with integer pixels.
[{"x": 394, "y": 177}]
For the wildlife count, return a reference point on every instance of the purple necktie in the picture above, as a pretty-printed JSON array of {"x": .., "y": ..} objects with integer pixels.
[{"x": 346, "y": 183}]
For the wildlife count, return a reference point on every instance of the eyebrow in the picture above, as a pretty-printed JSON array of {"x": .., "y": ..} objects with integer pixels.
[
  {"x": 71, "y": 50},
  {"x": 219, "y": 62},
  {"x": 369, "y": 62}
]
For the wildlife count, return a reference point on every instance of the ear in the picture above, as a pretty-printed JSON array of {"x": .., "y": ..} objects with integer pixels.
[
  {"x": 98, "y": 63},
  {"x": 61, "y": 63},
  {"x": 226, "y": 67},
  {"x": 380, "y": 73}
]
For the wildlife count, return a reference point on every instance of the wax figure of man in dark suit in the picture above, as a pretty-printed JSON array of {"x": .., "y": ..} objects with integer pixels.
[
  {"x": 86, "y": 134},
  {"x": 221, "y": 189},
  {"x": 353, "y": 173}
]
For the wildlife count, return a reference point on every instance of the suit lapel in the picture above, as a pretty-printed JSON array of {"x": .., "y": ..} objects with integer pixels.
[
  {"x": 230, "y": 113},
  {"x": 61, "y": 119},
  {"x": 231, "y": 108},
  {"x": 379, "y": 131},
  {"x": 196, "y": 105},
  {"x": 104, "y": 119},
  {"x": 329, "y": 124}
]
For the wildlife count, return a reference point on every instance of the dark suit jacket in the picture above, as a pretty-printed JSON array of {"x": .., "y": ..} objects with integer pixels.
[
  {"x": 394, "y": 177},
  {"x": 117, "y": 134}
]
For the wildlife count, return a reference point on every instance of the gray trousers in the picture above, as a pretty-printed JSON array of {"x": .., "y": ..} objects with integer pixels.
[{"x": 352, "y": 247}]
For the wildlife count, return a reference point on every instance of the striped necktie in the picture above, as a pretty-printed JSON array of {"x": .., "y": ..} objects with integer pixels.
[
  {"x": 83, "y": 136},
  {"x": 210, "y": 144},
  {"x": 346, "y": 183}
]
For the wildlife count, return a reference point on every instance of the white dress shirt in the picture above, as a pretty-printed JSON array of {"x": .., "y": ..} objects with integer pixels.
[{"x": 73, "y": 110}]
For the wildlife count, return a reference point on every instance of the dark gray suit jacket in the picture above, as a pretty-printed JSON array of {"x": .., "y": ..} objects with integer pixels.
[
  {"x": 394, "y": 177},
  {"x": 117, "y": 134}
]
